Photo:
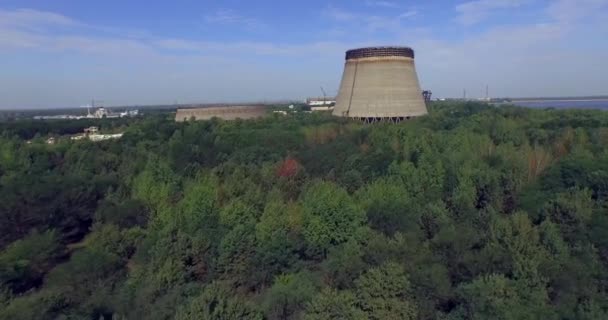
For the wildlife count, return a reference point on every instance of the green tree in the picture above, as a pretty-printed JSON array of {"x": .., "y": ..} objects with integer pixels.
[
  {"x": 24, "y": 262},
  {"x": 496, "y": 297},
  {"x": 278, "y": 238},
  {"x": 571, "y": 211},
  {"x": 388, "y": 205},
  {"x": 521, "y": 241},
  {"x": 217, "y": 302},
  {"x": 385, "y": 293},
  {"x": 237, "y": 255},
  {"x": 333, "y": 304},
  {"x": 288, "y": 296},
  {"x": 344, "y": 264},
  {"x": 330, "y": 216}
]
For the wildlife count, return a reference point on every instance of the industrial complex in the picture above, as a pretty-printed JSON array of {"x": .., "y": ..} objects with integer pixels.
[{"x": 380, "y": 84}]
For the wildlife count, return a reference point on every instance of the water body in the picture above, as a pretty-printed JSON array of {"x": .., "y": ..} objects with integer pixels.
[{"x": 565, "y": 104}]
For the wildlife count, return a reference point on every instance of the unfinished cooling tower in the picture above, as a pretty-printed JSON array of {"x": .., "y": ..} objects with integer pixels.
[
  {"x": 380, "y": 84},
  {"x": 221, "y": 112}
]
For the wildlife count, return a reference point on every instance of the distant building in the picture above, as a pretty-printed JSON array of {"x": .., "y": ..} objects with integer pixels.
[
  {"x": 92, "y": 134},
  {"x": 322, "y": 108},
  {"x": 78, "y": 137},
  {"x": 129, "y": 113},
  {"x": 101, "y": 113},
  {"x": 224, "y": 112},
  {"x": 103, "y": 137},
  {"x": 323, "y": 101},
  {"x": 91, "y": 130}
]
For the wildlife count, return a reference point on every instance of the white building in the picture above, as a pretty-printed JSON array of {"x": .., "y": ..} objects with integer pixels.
[
  {"x": 102, "y": 137},
  {"x": 322, "y": 108},
  {"x": 323, "y": 101},
  {"x": 91, "y": 130},
  {"x": 92, "y": 133}
]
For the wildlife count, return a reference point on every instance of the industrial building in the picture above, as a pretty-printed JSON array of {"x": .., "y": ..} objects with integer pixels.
[
  {"x": 322, "y": 108},
  {"x": 222, "y": 112},
  {"x": 92, "y": 133},
  {"x": 380, "y": 84},
  {"x": 322, "y": 101}
]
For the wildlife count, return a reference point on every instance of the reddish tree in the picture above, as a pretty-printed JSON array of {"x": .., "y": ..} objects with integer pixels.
[{"x": 288, "y": 168}]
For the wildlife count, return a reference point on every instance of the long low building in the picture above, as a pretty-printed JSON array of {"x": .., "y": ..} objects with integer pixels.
[
  {"x": 224, "y": 112},
  {"x": 321, "y": 101}
]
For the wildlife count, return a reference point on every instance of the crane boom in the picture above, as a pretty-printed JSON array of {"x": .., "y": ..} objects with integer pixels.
[{"x": 324, "y": 95}]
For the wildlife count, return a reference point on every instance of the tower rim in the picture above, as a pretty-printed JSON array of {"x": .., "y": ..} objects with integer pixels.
[{"x": 380, "y": 51}]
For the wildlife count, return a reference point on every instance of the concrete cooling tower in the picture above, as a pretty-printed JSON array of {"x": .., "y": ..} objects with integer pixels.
[{"x": 380, "y": 84}]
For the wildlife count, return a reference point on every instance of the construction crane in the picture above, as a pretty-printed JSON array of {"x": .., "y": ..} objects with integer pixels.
[{"x": 324, "y": 95}]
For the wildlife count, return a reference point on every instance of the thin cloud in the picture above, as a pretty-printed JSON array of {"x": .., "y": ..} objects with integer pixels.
[
  {"x": 48, "y": 31},
  {"x": 408, "y": 14},
  {"x": 61, "y": 33},
  {"x": 472, "y": 12},
  {"x": 258, "y": 48},
  {"x": 382, "y": 4},
  {"x": 28, "y": 18},
  {"x": 572, "y": 10},
  {"x": 230, "y": 17},
  {"x": 369, "y": 23},
  {"x": 340, "y": 15}
]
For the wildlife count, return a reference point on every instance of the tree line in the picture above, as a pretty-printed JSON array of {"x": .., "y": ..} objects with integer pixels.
[{"x": 472, "y": 212}]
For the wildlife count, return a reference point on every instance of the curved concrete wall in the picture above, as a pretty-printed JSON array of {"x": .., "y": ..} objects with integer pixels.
[
  {"x": 380, "y": 87},
  {"x": 226, "y": 113}
]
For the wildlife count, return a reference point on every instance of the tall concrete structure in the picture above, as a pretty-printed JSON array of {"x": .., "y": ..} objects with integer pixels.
[
  {"x": 380, "y": 84},
  {"x": 223, "y": 112}
]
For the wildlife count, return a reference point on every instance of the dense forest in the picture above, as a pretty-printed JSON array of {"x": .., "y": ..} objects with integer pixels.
[{"x": 472, "y": 212}]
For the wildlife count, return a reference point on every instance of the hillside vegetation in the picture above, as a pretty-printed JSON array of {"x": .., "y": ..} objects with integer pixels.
[{"x": 473, "y": 212}]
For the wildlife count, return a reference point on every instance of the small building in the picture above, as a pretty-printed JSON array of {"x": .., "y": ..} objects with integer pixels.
[
  {"x": 78, "y": 137},
  {"x": 92, "y": 133},
  {"x": 129, "y": 113},
  {"x": 322, "y": 108},
  {"x": 91, "y": 130},
  {"x": 103, "y": 137}
]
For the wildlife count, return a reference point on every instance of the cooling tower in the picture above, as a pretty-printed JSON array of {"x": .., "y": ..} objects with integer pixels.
[
  {"x": 380, "y": 84},
  {"x": 222, "y": 112}
]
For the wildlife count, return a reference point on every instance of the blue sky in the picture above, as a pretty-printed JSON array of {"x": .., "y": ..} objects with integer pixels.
[{"x": 62, "y": 53}]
